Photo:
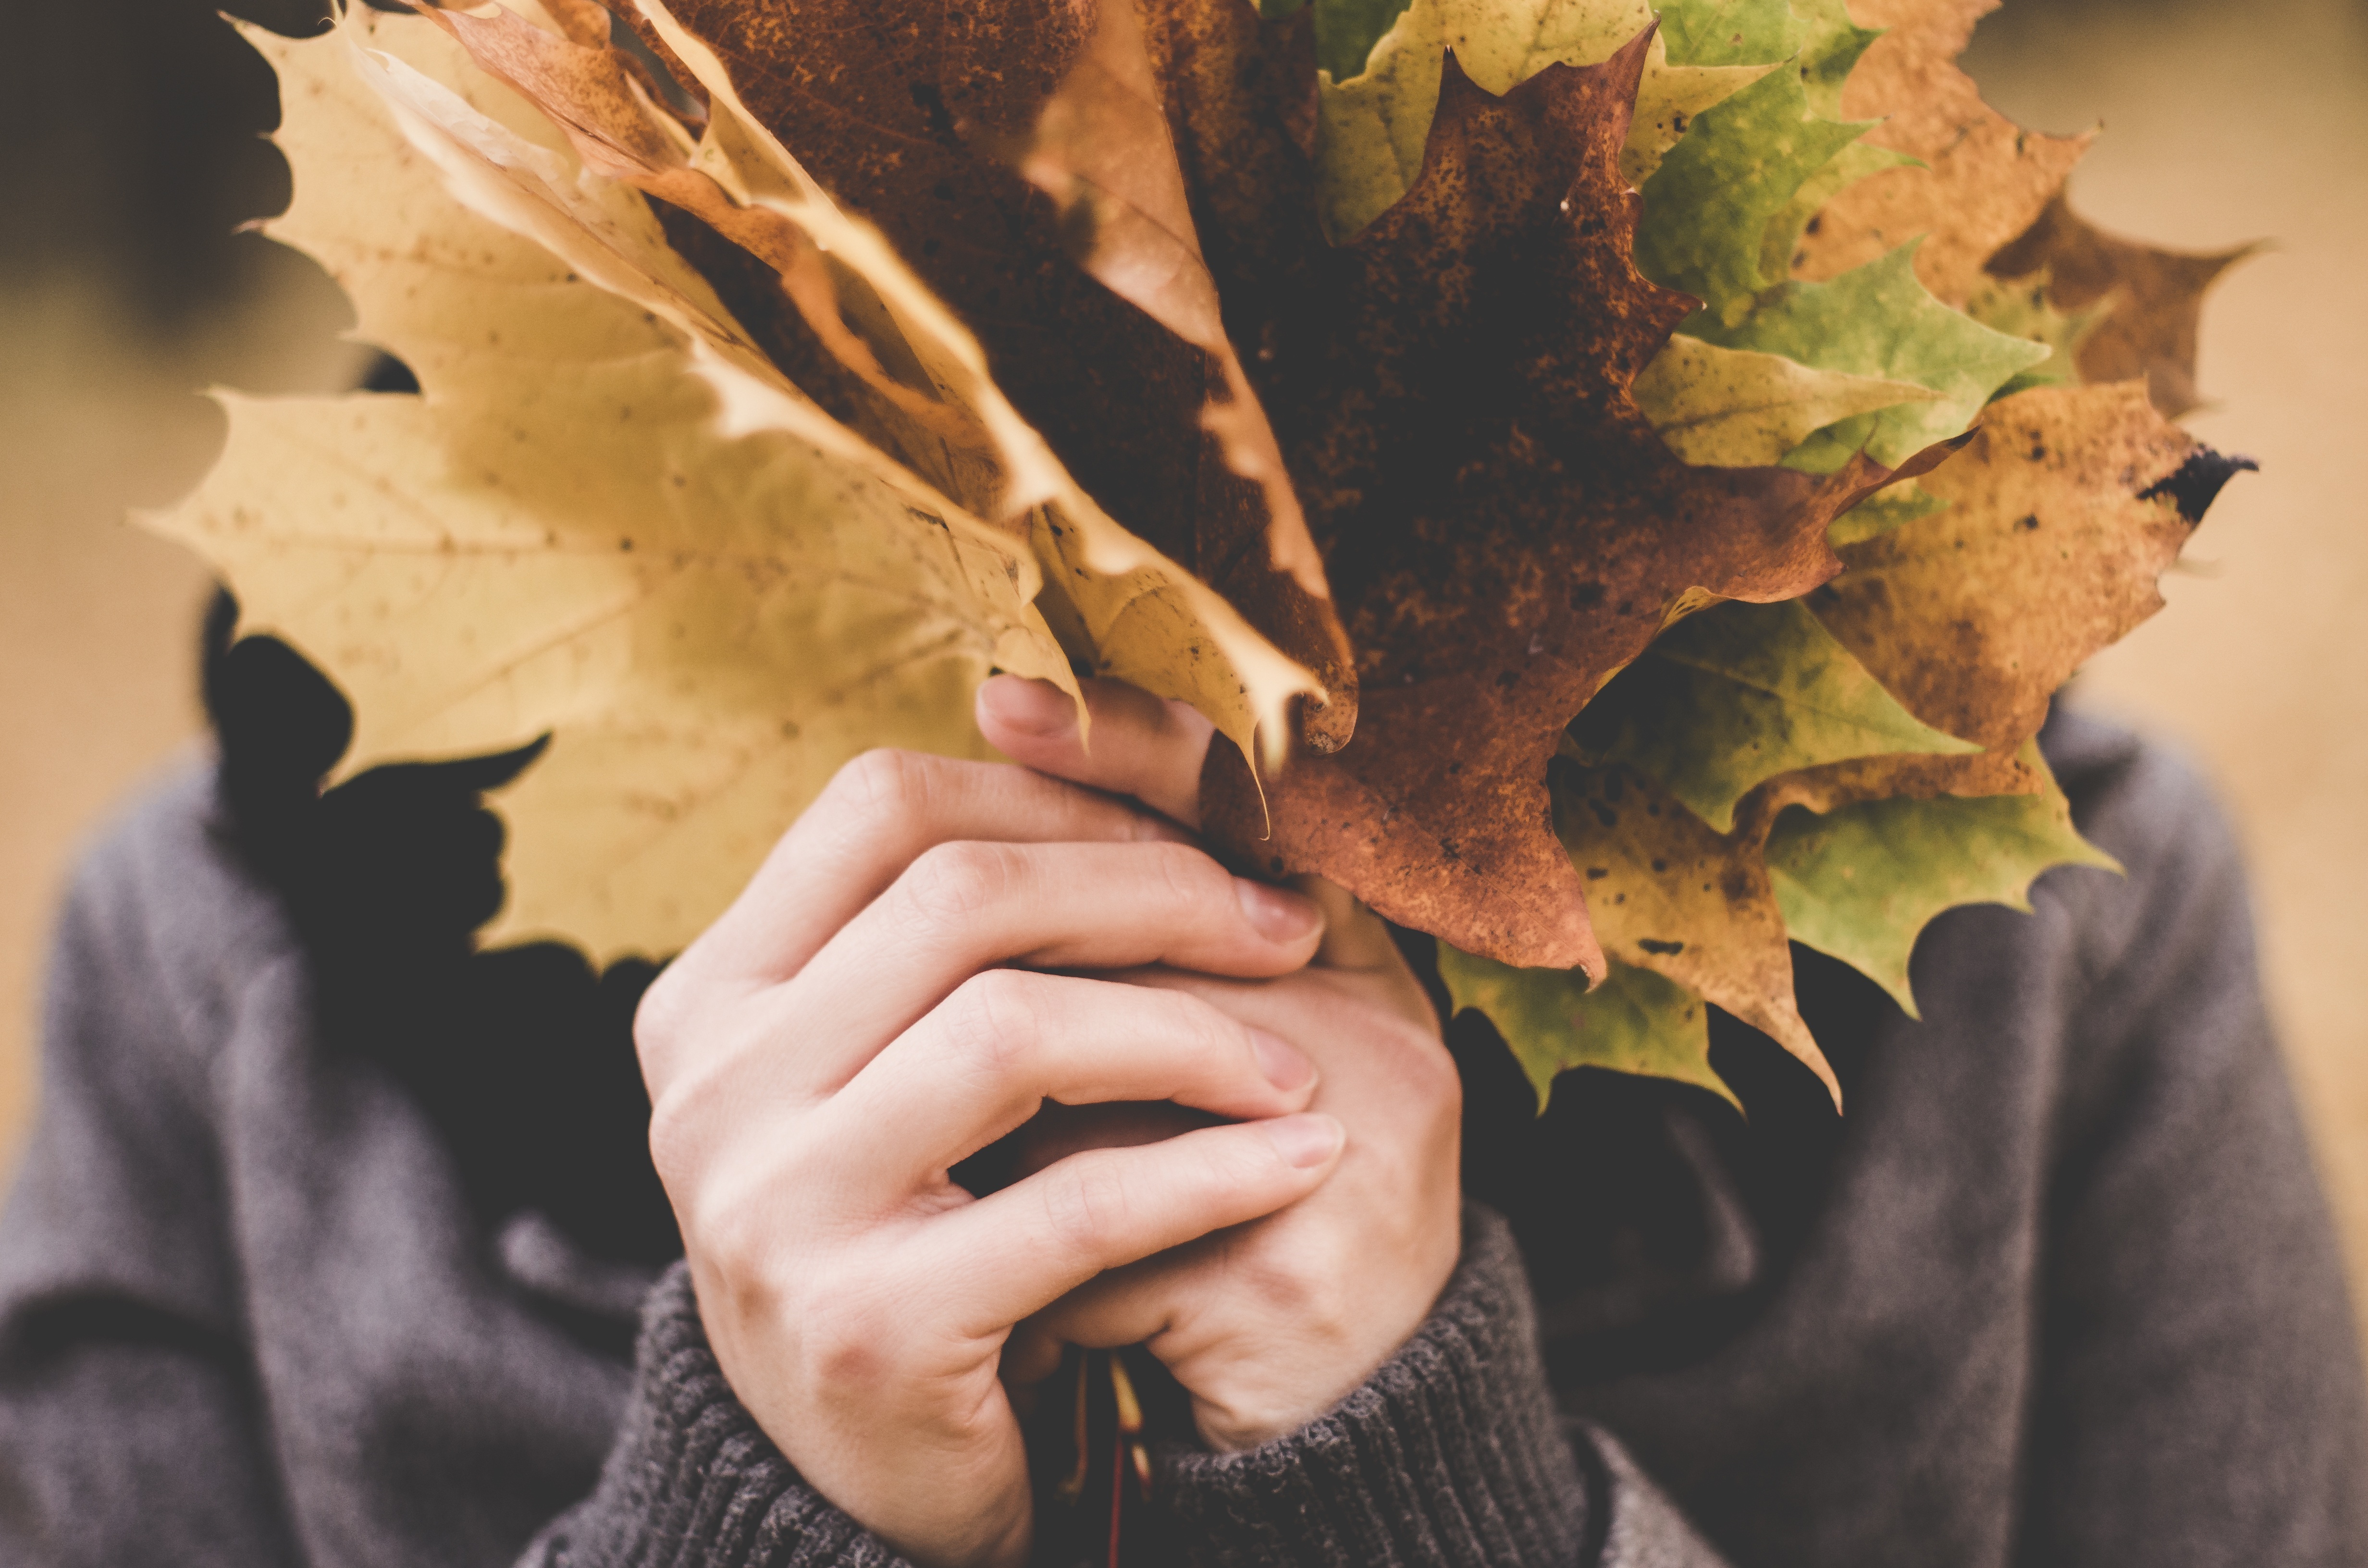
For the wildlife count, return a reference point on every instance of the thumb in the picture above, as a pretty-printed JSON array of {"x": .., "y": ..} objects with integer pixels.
[{"x": 1135, "y": 744}]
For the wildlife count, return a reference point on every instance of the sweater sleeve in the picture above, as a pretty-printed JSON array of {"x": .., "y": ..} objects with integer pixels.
[
  {"x": 1452, "y": 1454},
  {"x": 2200, "y": 1397},
  {"x": 130, "y": 1421},
  {"x": 692, "y": 1479}
]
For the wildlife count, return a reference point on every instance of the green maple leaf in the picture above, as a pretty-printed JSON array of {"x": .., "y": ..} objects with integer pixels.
[
  {"x": 1708, "y": 206},
  {"x": 1781, "y": 242},
  {"x": 1346, "y": 31},
  {"x": 1862, "y": 881},
  {"x": 1733, "y": 408},
  {"x": 1830, "y": 49},
  {"x": 1731, "y": 32},
  {"x": 1635, "y": 1021},
  {"x": 1763, "y": 689},
  {"x": 2024, "y": 307},
  {"x": 1877, "y": 320}
]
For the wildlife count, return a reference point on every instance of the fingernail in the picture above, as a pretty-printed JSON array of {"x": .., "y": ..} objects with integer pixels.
[
  {"x": 1033, "y": 707},
  {"x": 1278, "y": 917},
  {"x": 1285, "y": 1066},
  {"x": 1304, "y": 1141}
]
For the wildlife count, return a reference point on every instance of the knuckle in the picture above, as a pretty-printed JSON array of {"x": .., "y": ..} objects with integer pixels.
[
  {"x": 993, "y": 1020},
  {"x": 662, "y": 1019},
  {"x": 1188, "y": 876},
  {"x": 1087, "y": 1208},
  {"x": 884, "y": 782},
  {"x": 951, "y": 884}
]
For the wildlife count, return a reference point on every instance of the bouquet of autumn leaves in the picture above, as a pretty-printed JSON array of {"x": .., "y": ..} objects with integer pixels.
[{"x": 1624, "y": 487}]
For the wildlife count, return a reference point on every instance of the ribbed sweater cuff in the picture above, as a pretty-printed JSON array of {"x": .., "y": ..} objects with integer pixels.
[
  {"x": 1450, "y": 1454},
  {"x": 692, "y": 1479}
]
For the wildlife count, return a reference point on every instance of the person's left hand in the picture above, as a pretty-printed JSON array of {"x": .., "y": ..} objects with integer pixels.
[{"x": 1266, "y": 1326}]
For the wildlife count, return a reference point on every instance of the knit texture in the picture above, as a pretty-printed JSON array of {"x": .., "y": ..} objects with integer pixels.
[
  {"x": 2060, "y": 1292},
  {"x": 693, "y": 1479},
  {"x": 1451, "y": 1454}
]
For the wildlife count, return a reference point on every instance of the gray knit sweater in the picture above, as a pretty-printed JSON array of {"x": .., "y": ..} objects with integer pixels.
[{"x": 2069, "y": 1297}]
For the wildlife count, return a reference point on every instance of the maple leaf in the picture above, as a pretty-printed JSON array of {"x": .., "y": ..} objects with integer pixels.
[
  {"x": 1879, "y": 320},
  {"x": 1829, "y": 52},
  {"x": 1373, "y": 128},
  {"x": 1500, "y": 541},
  {"x": 2061, "y": 514},
  {"x": 473, "y": 573},
  {"x": 2026, "y": 308},
  {"x": 1764, "y": 689},
  {"x": 2150, "y": 299},
  {"x": 1634, "y": 1021},
  {"x": 1708, "y": 206},
  {"x": 1736, "y": 408},
  {"x": 1671, "y": 894},
  {"x": 1979, "y": 179},
  {"x": 1861, "y": 883},
  {"x": 920, "y": 122}
]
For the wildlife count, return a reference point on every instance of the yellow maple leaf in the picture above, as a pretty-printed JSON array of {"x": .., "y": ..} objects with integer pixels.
[{"x": 560, "y": 535}]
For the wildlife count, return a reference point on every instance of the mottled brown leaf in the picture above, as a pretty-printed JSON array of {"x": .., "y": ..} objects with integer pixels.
[
  {"x": 1984, "y": 179},
  {"x": 2062, "y": 513},
  {"x": 1502, "y": 526},
  {"x": 2153, "y": 300}
]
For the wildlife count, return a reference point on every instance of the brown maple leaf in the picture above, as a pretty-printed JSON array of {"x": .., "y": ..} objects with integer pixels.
[
  {"x": 1503, "y": 529},
  {"x": 1983, "y": 179},
  {"x": 921, "y": 119},
  {"x": 2062, "y": 513},
  {"x": 2153, "y": 298}
]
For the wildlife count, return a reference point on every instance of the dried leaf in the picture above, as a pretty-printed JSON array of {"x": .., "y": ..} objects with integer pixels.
[
  {"x": 1101, "y": 150},
  {"x": 1862, "y": 881},
  {"x": 2061, "y": 514},
  {"x": 1762, "y": 689},
  {"x": 1983, "y": 179},
  {"x": 914, "y": 120},
  {"x": 2151, "y": 299},
  {"x": 1499, "y": 543},
  {"x": 474, "y": 573},
  {"x": 1374, "y": 127},
  {"x": 1635, "y": 1021},
  {"x": 1735, "y": 408},
  {"x": 1670, "y": 895}
]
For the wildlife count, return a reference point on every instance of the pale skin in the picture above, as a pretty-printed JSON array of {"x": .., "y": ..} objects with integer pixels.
[{"x": 936, "y": 953}]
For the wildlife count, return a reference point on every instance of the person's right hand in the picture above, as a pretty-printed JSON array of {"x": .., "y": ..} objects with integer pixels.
[{"x": 846, "y": 1032}]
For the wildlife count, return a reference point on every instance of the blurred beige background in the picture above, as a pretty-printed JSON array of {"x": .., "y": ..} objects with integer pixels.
[{"x": 2225, "y": 122}]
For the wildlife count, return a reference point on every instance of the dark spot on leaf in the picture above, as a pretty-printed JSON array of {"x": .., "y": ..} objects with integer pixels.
[
  {"x": 2197, "y": 483},
  {"x": 1597, "y": 873},
  {"x": 1604, "y": 813},
  {"x": 1659, "y": 864},
  {"x": 1655, "y": 945},
  {"x": 1815, "y": 224},
  {"x": 2038, "y": 451},
  {"x": 2030, "y": 524},
  {"x": 1587, "y": 596}
]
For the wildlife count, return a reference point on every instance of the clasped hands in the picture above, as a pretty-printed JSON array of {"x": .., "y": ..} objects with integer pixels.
[{"x": 935, "y": 952}]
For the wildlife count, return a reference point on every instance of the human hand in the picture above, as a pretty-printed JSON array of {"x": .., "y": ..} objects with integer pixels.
[
  {"x": 820, "y": 1057},
  {"x": 1267, "y": 1324}
]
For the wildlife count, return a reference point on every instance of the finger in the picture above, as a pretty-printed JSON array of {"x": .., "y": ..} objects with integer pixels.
[
  {"x": 1138, "y": 745},
  {"x": 961, "y": 908},
  {"x": 1014, "y": 1252},
  {"x": 879, "y": 812},
  {"x": 986, "y": 1059}
]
